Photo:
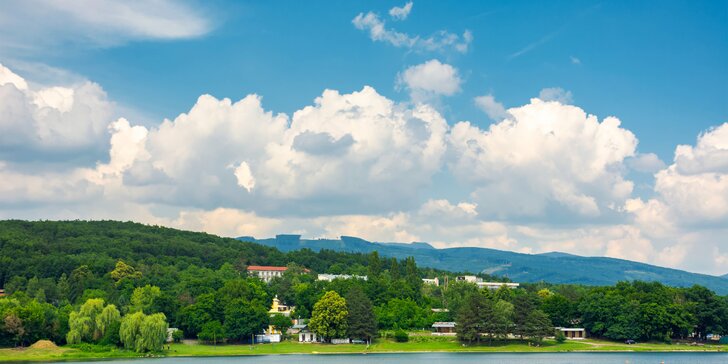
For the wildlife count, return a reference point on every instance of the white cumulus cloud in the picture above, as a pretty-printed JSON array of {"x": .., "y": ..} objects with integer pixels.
[
  {"x": 548, "y": 155},
  {"x": 491, "y": 107},
  {"x": 401, "y": 13},
  {"x": 430, "y": 79}
]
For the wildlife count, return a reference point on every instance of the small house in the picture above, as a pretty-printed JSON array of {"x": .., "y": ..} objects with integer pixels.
[
  {"x": 305, "y": 335},
  {"x": 443, "y": 329},
  {"x": 572, "y": 333}
]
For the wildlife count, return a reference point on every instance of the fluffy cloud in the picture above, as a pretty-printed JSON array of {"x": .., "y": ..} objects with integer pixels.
[
  {"x": 494, "y": 109},
  {"x": 401, "y": 13},
  {"x": 51, "y": 122},
  {"x": 694, "y": 189},
  {"x": 353, "y": 152},
  {"x": 430, "y": 79},
  {"x": 441, "y": 41},
  {"x": 556, "y": 94},
  {"x": 361, "y": 164},
  {"x": 547, "y": 156},
  {"x": 646, "y": 163},
  {"x": 65, "y": 22}
]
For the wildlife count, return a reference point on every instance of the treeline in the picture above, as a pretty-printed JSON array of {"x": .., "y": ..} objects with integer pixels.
[
  {"x": 198, "y": 283},
  {"x": 643, "y": 311}
]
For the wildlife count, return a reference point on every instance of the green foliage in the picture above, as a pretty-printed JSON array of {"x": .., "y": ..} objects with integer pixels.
[
  {"x": 88, "y": 324},
  {"x": 142, "y": 333},
  {"x": 212, "y": 331},
  {"x": 244, "y": 318},
  {"x": 143, "y": 298},
  {"x": 124, "y": 271},
  {"x": 538, "y": 326},
  {"x": 472, "y": 318},
  {"x": 560, "y": 337},
  {"x": 403, "y": 313},
  {"x": 108, "y": 319},
  {"x": 330, "y": 316},
  {"x": 178, "y": 335},
  {"x": 362, "y": 323},
  {"x": 401, "y": 336},
  {"x": 280, "y": 322},
  {"x": 198, "y": 280}
]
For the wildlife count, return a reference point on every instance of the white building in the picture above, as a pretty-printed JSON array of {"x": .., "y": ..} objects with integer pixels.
[
  {"x": 266, "y": 273},
  {"x": 495, "y": 285},
  {"x": 331, "y": 277},
  {"x": 489, "y": 285},
  {"x": 469, "y": 279},
  {"x": 434, "y": 281},
  {"x": 576, "y": 333}
]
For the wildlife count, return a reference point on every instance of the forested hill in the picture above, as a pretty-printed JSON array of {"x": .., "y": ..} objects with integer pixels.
[
  {"x": 550, "y": 267},
  {"x": 48, "y": 249}
]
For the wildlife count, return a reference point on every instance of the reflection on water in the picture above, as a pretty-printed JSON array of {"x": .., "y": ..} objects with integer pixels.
[{"x": 454, "y": 358}]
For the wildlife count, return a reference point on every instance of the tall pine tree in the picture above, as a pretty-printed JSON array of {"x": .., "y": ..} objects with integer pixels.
[{"x": 362, "y": 323}]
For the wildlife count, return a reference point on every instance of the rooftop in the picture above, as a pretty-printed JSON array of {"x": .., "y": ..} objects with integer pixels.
[
  {"x": 267, "y": 267},
  {"x": 443, "y": 324}
]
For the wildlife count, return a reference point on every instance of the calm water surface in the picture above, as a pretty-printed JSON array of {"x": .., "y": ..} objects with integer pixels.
[{"x": 452, "y": 358}]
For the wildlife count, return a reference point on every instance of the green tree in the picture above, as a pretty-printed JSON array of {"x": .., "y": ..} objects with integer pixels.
[
  {"x": 108, "y": 319},
  {"x": 361, "y": 323},
  {"x": 63, "y": 288},
  {"x": 14, "y": 326},
  {"x": 212, "y": 332},
  {"x": 83, "y": 324},
  {"x": 178, "y": 335},
  {"x": 501, "y": 322},
  {"x": 142, "y": 333},
  {"x": 124, "y": 271},
  {"x": 281, "y": 322},
  {"x": 472, "y": 316},
  {"x": 143, "y": 298},
  {"x": 559, "y": 309},
  {"x": 538, "y": 326},
  {"x": 81, "y": 279},
  {"x": 244, "y": 318},
  {"x": 375, "y": 265},
  {"x": 329, "y": 318}
]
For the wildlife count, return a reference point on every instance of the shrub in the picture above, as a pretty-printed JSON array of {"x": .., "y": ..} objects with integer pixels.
[
  {"x": 560, "y": 337},
  {"x": 177, "y": 335},
  {"x": 401, "y": 336}
]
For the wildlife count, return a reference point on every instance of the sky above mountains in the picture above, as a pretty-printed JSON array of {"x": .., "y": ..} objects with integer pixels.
[{"x": 593, "y": 128}]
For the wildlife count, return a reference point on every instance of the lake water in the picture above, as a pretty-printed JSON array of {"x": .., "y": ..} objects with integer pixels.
[{"x": 452, "y": 358}]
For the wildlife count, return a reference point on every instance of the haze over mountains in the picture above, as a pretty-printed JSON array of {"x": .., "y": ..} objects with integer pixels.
[{"x": 554, "y": 267}]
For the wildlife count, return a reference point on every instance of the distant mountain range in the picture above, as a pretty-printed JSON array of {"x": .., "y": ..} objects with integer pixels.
[{"x": 552, "y": 267}]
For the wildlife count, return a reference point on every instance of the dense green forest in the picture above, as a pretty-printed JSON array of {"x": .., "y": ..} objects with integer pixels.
[{"x": 111, "y": 282}]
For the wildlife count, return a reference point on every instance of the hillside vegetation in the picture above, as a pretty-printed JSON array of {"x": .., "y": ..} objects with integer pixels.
[
  {"x": 549, "y": 267},
  {"x": 120, "y": 284}
]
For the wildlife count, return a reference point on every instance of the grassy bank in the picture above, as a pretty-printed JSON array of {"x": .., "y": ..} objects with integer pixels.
[{"x": 418, "y": 344}]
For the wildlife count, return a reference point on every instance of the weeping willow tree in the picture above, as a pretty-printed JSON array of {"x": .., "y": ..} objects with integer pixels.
[
  {"x": 107, "y": 319},
  {"x": 140, "y": 332},
  {"x": 91, "y": 321}
]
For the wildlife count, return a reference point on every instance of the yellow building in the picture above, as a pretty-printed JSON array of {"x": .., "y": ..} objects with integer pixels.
[{"x": 278, "y": 309}]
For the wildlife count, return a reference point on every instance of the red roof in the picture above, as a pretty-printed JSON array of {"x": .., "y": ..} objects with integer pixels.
[{"x": 266, "y": 267}]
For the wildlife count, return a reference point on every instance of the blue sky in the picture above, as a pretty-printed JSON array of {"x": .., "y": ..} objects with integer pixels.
[
  {"x": 623, "y": 190},
  {"x": 660, "y": 69}
]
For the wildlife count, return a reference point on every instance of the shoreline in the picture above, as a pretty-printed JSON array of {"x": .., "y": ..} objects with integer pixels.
[{"x": 61, "y": 354}]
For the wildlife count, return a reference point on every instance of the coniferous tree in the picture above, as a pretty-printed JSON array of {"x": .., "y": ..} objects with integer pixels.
[{"x": 362, "y": 323}]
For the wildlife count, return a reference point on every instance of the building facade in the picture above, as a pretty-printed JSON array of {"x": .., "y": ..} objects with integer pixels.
[
  {"x": 266, "y": 273},
  {"x": 572, "y": 333}
]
